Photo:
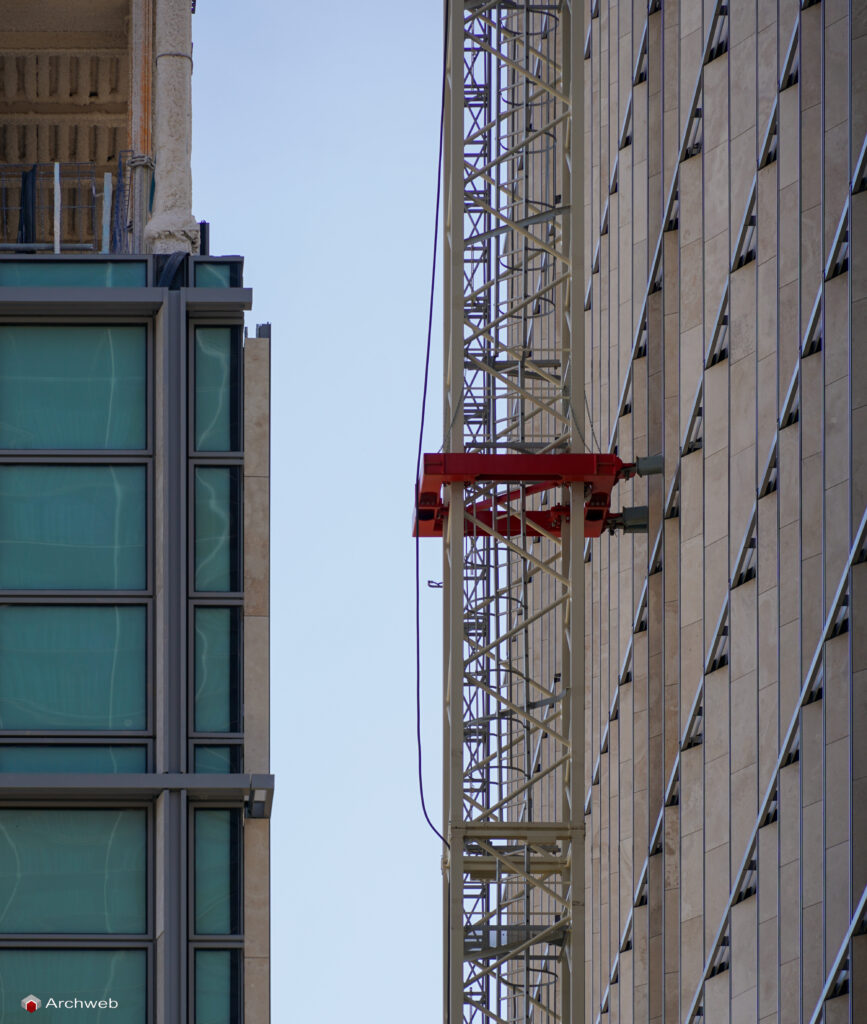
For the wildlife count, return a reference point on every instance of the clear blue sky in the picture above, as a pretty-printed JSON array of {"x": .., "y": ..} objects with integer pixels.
[{"x": 314, "y": 156}]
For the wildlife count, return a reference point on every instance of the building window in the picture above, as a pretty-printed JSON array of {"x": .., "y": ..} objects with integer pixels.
[
  {"x": 73, "y": 387},
  {"x": 72, "y": 527},
  {"x": 73, "y": 273},
  {"x": 73, "y": 667},
  {"x": 217, "y": 887},
  {"x": 217, "y": 986},
  {"x": 217, "y": 389},
  {"x": 217, "y": 669},
  {"x": 217, "y": 552},
  {"x": 73, "y": 871},
  {"x": 119, "y": 975},
  {"x": 218, "y": 273},
  {"x": 38, "y": 757},
  {"x": 213, "y": 275},
  {"x": 222, "y": 759}
]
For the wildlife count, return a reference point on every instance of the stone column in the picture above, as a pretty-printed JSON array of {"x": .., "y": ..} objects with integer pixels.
[{"x": 171, "y": 227}]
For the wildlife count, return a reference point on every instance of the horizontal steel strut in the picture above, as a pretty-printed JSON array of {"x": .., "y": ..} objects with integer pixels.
[{"x": 598, "y": 472}]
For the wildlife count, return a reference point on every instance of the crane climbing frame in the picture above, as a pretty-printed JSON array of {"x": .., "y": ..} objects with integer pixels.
[
  {"x": 513, "y": 698},
  {"x": 537, "y": 473}
]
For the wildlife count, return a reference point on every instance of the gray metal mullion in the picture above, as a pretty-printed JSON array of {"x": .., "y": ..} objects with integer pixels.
[{"x": 171, "y": 716}]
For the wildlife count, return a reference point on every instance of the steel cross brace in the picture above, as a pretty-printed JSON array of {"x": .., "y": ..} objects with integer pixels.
[{"x": 598, "y": 472}]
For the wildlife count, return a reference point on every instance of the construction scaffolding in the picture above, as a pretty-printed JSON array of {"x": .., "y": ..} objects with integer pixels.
[
  {"x": 513, "y": 584},
  {"x": 70, "y": 207}
]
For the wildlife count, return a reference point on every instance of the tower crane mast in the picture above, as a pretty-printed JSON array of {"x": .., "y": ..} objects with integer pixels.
[{"x": 513, "y": 696}]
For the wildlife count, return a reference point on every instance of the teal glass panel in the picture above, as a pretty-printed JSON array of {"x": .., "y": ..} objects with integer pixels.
[
  {"x": 215, "y": 389},
  {"x": 72, "y": 527},
  {"x": 217, "y": 863},
  {"x": 217, "y": 986},
  {"x": 108, "y": 759},
  {"x": 216, "y": 528},
  {"x": 218, "y": 760},
  {"x": 70, "y": 387},
  {"x": 216, "y": 670},
  {"x": 117, "y": 977},
  {"x": 213, "y": 275},
  {"x": 72, "y": 871},
  {"x": 73, "y": 274},
  {"x": 73, "y": 667}
]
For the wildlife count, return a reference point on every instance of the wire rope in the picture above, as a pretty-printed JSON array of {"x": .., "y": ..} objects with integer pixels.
[{"x": 421, "y": 432}]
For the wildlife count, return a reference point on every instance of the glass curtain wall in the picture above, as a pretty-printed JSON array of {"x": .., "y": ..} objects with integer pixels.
[
  {"x": 215, "y": 617},
  {"x": 216, "y": 572},
  {"x": 75, "y": 476},
  {"x": 75, "y": 614}
]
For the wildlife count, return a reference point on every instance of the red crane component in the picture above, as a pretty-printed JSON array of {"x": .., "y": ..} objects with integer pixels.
[{"x": 599, "y": 474}]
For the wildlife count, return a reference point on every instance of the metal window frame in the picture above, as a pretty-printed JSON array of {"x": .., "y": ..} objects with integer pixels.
[
  {"x": 236, "y": 387},
  {"x": 236, "y": 264},
  {"x": 91, "y": 461},
  {"x": 236, "y": 895},
  {"x": 88, "y": 944},
  {"x": 235, "y": 747},
  {"x": 99, "y": 599},
  {"x": 90, "y": 939},
  {"x": 100, "y": 741},
  {"x": 236, "y": 499},
  {"x": 236, "y": 683},
  {"x": 237, "y": 980},
  {"x": 109, "y": 321},
  {"x": 78, "y": 257}
]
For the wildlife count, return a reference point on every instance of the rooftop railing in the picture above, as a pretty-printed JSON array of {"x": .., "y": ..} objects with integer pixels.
[{"x": 68, "y": 207}]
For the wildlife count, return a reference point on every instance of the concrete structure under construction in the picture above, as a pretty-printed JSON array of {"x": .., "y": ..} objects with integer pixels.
[
  {"x": 134, "y": 540},
  {"x": 654, "y": 761}
]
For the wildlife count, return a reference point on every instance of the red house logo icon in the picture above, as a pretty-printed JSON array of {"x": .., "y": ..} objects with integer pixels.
[{"x": 31, "y": 1003}]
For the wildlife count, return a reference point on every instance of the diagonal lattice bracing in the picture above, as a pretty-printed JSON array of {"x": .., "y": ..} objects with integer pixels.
[{"x": 514, "y": 743}]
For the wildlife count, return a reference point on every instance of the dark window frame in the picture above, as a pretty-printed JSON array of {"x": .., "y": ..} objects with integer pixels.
[
  {"x": 236, "y": 1009},
  {"x": 236, "y": 428},
  {"x": 91, "y": 321},
  {"x": 236, "y": 681},
  {"x": 236, "y": 551},
  {"x": 236, "y": 867},
  {"x": 78, "y": 940}
]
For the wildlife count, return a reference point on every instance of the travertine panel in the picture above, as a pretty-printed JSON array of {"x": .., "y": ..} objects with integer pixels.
[{"x": 799, "y": 480}]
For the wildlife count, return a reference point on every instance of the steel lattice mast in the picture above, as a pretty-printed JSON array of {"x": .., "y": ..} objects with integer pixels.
[{"x": 514, "y": 597}]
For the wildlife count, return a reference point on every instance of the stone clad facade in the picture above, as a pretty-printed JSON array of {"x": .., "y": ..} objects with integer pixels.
[{"x": 726, "y": 214}]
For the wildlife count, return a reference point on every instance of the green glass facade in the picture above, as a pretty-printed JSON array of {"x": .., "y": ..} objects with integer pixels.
[
  {"x": 73, "y": 871},
  {"x": 72, "y": 527},
  {"x": 39, "y": 757},
  {"x": 217, "y": 758},
  {"x": 214, "y": 366},
  {"x": 121, "y": 641},
  {"x": 73, "y": 667},
  {"x": 217, "y": 996},
  {"x": 216, "y": 529},
  {"x": 214, "y": 275},
  {"x": 73, "y": 386},
  {"x": 217, "y": 861},
  {"x": 216, "y": 669},
  {"x": 90, "y": 974},
  {"x": 217, "y": 371},
  {"x": 73, "y": 274}
]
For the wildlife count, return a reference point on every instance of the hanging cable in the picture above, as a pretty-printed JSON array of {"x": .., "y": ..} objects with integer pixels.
[{"x": 421, "y": 433}]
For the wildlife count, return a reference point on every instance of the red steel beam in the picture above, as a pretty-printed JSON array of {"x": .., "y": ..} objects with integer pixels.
[{"x": 598, "y": 472}]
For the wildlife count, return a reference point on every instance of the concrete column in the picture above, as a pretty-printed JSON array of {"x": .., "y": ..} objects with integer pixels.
[{"x": 171, "y": 227}]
